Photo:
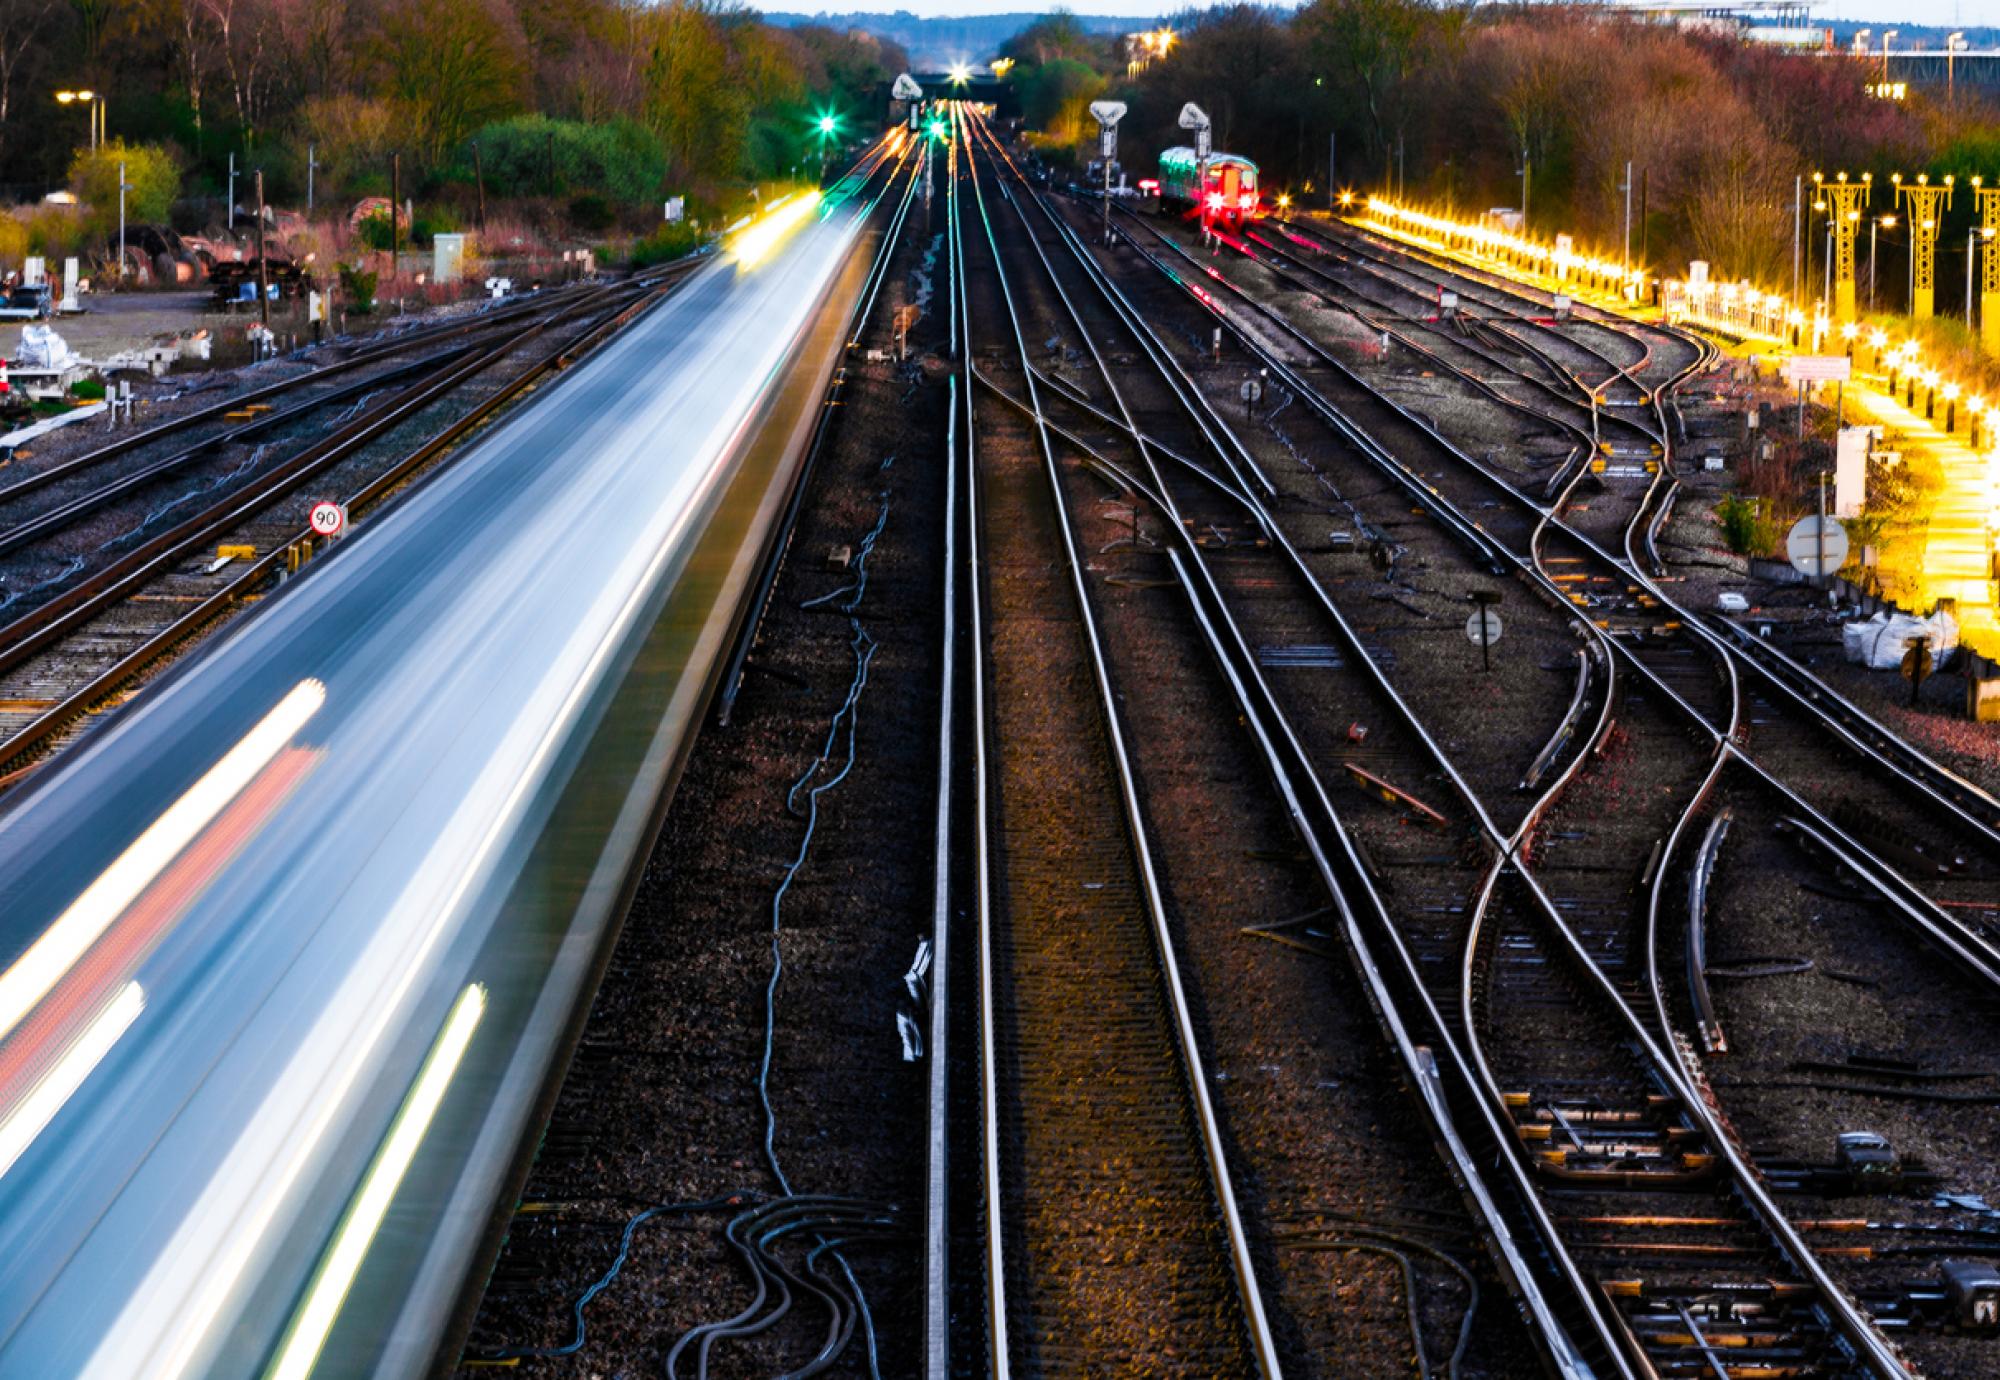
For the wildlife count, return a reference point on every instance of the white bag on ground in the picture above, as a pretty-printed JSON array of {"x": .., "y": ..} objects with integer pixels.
[
  {"x": 42, "y": 348},
  {"x": 1879, "y": 642}
]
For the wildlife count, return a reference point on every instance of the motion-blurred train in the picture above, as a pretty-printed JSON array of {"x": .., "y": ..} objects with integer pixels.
[{"x": 1231, "y": 192}]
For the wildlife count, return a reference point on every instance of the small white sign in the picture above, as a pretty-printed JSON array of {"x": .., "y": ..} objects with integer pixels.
[
  {"x": 329, "y": 519},
  {"x": 1818, "y": 368},
  {"x": 1483, "y": 628}
]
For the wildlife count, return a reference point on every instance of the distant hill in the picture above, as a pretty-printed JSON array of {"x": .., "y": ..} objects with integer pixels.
[{"x": 934, "y": 43}]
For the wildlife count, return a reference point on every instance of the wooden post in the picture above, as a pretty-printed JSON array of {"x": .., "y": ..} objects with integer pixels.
[
  {"x": 395, "y": 211},
  {"x": 479, "y": 180},
  {"x": 263, "y": 265}
]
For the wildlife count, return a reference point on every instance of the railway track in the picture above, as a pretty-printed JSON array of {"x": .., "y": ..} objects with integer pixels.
[
  {"x": 86, "y": 644},
  {"x": 1114, "y": 1240},
  {"x": 1777, "y": 1242},
  {"x": 1637, "y": 619}
]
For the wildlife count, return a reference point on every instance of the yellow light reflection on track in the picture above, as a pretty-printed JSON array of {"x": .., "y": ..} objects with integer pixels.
[
  {"x": 299, "y": 1351},
  {"x": 55, "y": 1087},
  {"x": 760, "y": 239},
  {"x": 105, "y": 899}
]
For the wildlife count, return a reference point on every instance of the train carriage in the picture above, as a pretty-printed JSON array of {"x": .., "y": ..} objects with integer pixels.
[{"x": 1231, "y": 194}]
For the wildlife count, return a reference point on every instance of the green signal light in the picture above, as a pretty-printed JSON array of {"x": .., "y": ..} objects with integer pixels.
[{"x": 937, "y": 129}]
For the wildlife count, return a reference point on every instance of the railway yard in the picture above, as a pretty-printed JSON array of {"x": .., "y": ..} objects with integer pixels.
[{"x": 1116, "y": 916}]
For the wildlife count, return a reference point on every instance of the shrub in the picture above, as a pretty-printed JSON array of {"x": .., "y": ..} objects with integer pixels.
[
  {"x": 13, "y": 241},
  {"x": 357, "y": 288},
  {"x": 1746, "y": 527},
  {"x": 665, "y": 244},
  {"x": 591, "y": 213},
  {"x": 376, "y": 232},
  {"x": 88, "y": 390},
  {"x": 152, "y": 175},
  {"x": 621, "y": 161}
]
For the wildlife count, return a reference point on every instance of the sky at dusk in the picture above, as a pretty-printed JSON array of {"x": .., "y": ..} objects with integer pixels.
[{"x": 1954, "y": 12}]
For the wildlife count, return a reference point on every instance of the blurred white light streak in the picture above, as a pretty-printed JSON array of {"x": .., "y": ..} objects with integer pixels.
[
  {"x": 171, "y": 1318},
  {"x": 104, "y": 900},
  {"x": 754, "y": 243},
  {"x": 47, "y": 1097},
  {"x": 301, "y": 1347}
]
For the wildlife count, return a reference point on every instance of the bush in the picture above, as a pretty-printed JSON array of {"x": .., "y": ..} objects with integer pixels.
[
  {"x": 152, "y": 175},
  {"x": 357, "y": 288},
  {"x": 13, "y": 241},
  {"x": 1746, "y": 527},
  {"x": 622, "y": 162},
  {"x": 591, "y": 213},
  {"x": 376, "y": 232},
  {"x": 665, "y": 244},
  {"x": 87, "y": 390}
]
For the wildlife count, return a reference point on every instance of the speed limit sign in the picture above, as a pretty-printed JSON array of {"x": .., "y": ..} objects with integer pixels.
[{"x": 329, "y": 519}]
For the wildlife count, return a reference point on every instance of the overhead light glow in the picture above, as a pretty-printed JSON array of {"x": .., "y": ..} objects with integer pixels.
[
  {"x": 303, "y": 1340},
  {"x": 104, "y": 900}
]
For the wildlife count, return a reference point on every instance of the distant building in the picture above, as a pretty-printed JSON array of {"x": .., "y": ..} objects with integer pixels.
[{"x": 1787, "y": 23}]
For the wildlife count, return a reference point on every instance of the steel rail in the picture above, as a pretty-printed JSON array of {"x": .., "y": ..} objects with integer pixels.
[
  {"x": 401, "y": 343},
  {"x": 1950, "y": 934},
  {"x": 43, "y": 525},
  {"x": 1241, "y": 669},
  {"x": 50, "y": 723},
  {"x": 48, "y": 622},
  {"x": 746, "y": 637},
  {"x": 1848, "y": 1319},
  {"x": 1263, "y": 1347},
  {"x": 1378, "y": 248}
]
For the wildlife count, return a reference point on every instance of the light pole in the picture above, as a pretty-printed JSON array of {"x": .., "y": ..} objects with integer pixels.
[
  {"x": 1953, "y": 44},
  {"x": 1875, "y": 224},
  {"x": 1971, "y": 263},
  {"x": 123, "y": 187},
  {"x": 1887, "y": 34},
  {"x": 93, "y": 109},
  {"x": 1627, "y": 189},
  {"x": 232, "y": 193},
  {"x": 312, "y": 166},
  {"x": 828, "y": 126}
]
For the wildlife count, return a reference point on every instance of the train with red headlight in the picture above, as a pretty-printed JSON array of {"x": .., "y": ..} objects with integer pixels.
[{"x": 1229, "y": 193}]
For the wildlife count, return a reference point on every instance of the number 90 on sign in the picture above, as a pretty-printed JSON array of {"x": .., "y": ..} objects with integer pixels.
[{"x": 329, "y": 519}]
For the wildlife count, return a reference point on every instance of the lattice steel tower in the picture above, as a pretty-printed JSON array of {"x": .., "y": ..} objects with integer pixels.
[
  {"x": 1844, "y": 203},
  {"x": 1927, "y": 201},
  {"x": 1988, "y": 207}
]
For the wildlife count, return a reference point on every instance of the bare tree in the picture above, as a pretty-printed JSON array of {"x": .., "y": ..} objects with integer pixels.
[{"x": 22, "y": 23}]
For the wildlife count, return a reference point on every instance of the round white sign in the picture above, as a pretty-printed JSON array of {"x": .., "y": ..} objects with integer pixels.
[
  {"x": 1483, "y": 628},
  {"x": 1817, "y": 545},
  {"x": 329, "y": 519}
]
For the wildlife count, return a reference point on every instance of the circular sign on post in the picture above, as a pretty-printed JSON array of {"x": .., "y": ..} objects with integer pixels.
[
  {"x": 1483, "y": 628},
  {"x": 1817, "y": 546},
  {"x": 1250, "y": 391},
  {"x": 329, "y": 519}
]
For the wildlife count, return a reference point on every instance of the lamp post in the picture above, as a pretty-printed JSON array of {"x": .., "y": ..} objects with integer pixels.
[
  {"x": 1875, "y": 224},
  {"x": 123, "y": 187},
  {"x": 1887, "y": 34},
  {"x": 1953, "y": 45},
  {"x": 312, "y": 166},
  {"x": 93, "y": 108}
]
